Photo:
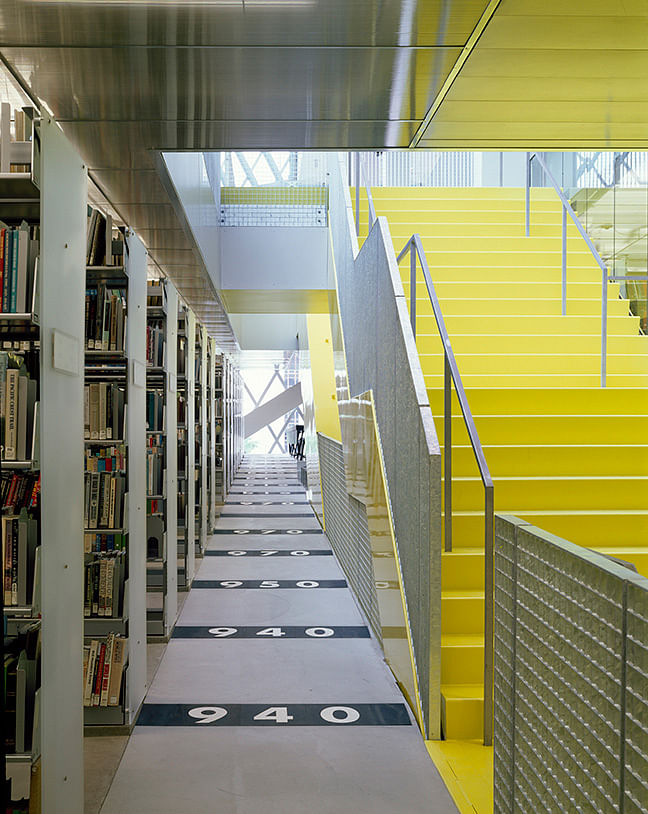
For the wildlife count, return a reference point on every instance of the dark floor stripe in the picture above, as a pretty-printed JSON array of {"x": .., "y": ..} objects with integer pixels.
[
  {"x": 252, "y": 515},
  {"x": 268, "y": 531},
  {"x": 274, "y": 714},
  {"x": 265, "y": 552},
  {"x": 263, "y": 632},
  {"x": 268, "y": 584}
]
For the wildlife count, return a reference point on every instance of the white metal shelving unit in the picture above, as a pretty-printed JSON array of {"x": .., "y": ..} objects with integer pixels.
[{"x": 54, "y": 194}]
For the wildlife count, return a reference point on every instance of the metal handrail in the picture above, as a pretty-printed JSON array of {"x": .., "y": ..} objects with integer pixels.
[
  {"x": 362, "y": 179},
  {"x": 451, "y": 375},
  {"x": 606, "y": 277}
]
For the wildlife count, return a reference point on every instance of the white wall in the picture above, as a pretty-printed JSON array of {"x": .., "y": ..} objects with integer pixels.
[
  {"x": 274, "y": 257},
  {"x": 265, "y": 331},
  {"x": 202, "y": 210}
]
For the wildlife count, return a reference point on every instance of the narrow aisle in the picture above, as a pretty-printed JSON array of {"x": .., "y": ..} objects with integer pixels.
[{"x": 272, "y": 697}]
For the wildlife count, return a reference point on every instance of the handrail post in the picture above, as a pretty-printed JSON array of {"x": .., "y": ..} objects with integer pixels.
[
  {"x": 604, "y": 309},
  {"x": 564, "y": 261},
  {"x": 447, "y": 452},
  {"x": 413, "y": 288},
  {"x": 527, "y": 194},
  {"x": 489, "y": 623},
  {"x": 357, "y": 193}
]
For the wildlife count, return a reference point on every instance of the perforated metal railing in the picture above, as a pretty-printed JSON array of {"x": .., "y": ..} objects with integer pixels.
[
  {"x": 347, "y": 529},
  {"x": 571, "y": 677}
]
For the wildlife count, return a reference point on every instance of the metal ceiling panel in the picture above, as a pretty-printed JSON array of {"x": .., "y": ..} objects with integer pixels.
[
  {"x": 133, "y": 187},
  {"x": 164, "y": 238},
  {"x": 301, "y": 23},
  {"x": 180, "y": 84}
]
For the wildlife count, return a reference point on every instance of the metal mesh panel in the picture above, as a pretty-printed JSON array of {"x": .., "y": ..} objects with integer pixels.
[
  {"x": 636, "y": 719},
  {"x": 571, "y": 651},
  {"x": 347, "y": 529}
]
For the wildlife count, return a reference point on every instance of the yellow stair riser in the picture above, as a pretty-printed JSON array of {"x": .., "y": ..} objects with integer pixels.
[
  {"x": 462, "y": 570},
  {"x": 592, "y": 530},
  {"x": 522, "y": 247},
  {"x": 500, "y": 276},
  {"x": 543, "y": 430},
  {"x": 535, "y": 323},
  {"x": 534, "y": 461},
  {"x": 477, "y": 307},
  {"x": 530, "y": 363},
  {"x": 462, "y": 614},
  {"x": 522, "y": 289},
  {"x": 532, "y": 343},
  {"x": 489, "y": 194},
  {"x": 492, "y": 258},
  {"x": 545, "y": 494},
  {"x": 462, "y": 664},
  {"x": 547, "y": 401},
  {"x": 462, "y": 718},
  {"x": 567, "y": 380}
]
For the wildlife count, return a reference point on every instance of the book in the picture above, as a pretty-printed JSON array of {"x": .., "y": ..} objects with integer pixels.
[
  {"x": 117, "y": 668},
  {"x": 89, "y": 684},
  {"x": 11, "y": 415},
  {"x": 105, "y": 679}
]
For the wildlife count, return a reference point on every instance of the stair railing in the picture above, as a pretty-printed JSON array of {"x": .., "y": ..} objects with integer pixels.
[
  {"x": 605, "y": 276},
  {"x": 451, "y": 375}
]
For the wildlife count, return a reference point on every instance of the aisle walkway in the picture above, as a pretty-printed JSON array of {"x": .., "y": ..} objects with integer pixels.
[{"x": 271, "y": 697}]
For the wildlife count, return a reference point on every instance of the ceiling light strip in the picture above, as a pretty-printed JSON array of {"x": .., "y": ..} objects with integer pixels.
[{"x": 488, "y": 13}]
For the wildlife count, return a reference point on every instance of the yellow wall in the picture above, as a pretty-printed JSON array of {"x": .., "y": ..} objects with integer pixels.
[{"x": 320, "y": 345}]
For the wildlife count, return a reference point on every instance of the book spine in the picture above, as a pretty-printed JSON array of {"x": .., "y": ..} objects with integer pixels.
[
  {"x": 102, "y": 587},
  {"x": 105, "y": 680},
  {"x": 119, "y": 655},
  {"x": 110, "y": 575},
  {"x": 14, "y": 562},
  {"x": 3, "y": 231},
  {"x": 87, "y": 689},
  {"x": 14, "y": 269},
  {"x": 11, "y": 419},
  {"x": 98, "y": 678},
  {"x": 6, "y": 283}
]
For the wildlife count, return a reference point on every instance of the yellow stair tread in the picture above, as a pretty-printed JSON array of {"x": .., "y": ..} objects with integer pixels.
[
  {"x": 457, "y": 692},
  {"x": 460, "y": 594},
  {"x": 462, "y": 640}
]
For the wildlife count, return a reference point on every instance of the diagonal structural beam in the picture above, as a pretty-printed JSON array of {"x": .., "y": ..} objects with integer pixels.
[{"x": 273, "y": 409}]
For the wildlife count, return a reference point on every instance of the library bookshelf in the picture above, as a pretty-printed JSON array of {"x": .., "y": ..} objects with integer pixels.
[
  {"x": 43, "y": 336},
  {"x": 162, "y": 457},
  {"x": 114, "y": 512}
]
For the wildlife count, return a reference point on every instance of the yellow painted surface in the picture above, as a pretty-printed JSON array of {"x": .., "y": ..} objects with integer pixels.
[
  {"x": 565, "y": 454},
  {"x": 320, "y": 345},
  {"x": 467, "y": 770},
  {"x": 276, "y": 301}
]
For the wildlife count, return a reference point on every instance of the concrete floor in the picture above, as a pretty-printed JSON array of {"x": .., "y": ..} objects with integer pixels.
[{"x": 280, "y": 701}]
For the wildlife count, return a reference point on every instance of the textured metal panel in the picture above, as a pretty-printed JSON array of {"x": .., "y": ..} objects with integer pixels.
[
  {"x": 381, "y": 356},
  {"x": 347, "y": 529},
  {"x": 571, "y": 690},
  {"x": 299, "y": 23},
  {"x": 635, "y": 779}
]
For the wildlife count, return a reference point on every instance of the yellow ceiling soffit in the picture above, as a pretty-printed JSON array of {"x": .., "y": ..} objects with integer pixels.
[
  {"x": 276, "y": 301},
  {"x": 463, "y": 56}
]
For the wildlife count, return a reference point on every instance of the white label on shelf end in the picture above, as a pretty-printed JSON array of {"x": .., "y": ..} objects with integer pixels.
[{"x": 65, "y": 353}]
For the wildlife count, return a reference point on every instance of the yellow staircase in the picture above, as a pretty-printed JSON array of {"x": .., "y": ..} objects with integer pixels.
[{"x": 564, "y": 453}]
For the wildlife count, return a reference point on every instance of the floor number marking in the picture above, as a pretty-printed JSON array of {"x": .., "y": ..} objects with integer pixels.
[
  {"x": 207, "y": 715},
  {"x": 268, "y": 714},
  {"x": 222, "y": 632},
  {"x": 269, "y": 583},
  {"x": 270, "y": 552},
  {"x": 278, "y": 715},
  {"x": 283, "y": 632}
]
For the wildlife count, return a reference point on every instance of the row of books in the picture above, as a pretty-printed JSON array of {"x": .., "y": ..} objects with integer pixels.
[
  {"x": 19, "y": 410},
  {"x": 19, "y": 490},
  {"x": 154, "y": 411},
  {"x": 113, "y": 541},
  {"x": 155, "y": 344},
  {"x": 154, "y": 470},
  {"x": 103, "y": 667},
  {"x": 182, "y": 410},
  {"x": 104, "y": 411},
  {"x": 155, "y": 294},
  {"x": 19, "y": 248},
  {"x": 104, "y": 574},
  {"x": 19, "y": 543},
  {"x": 105, "y": 459},
  {"x": 105, "y": 318},
  {"x": 104, "y": 500},
  {"x": 103, "y": 248},
  {"x": 20, "y": 725}
]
